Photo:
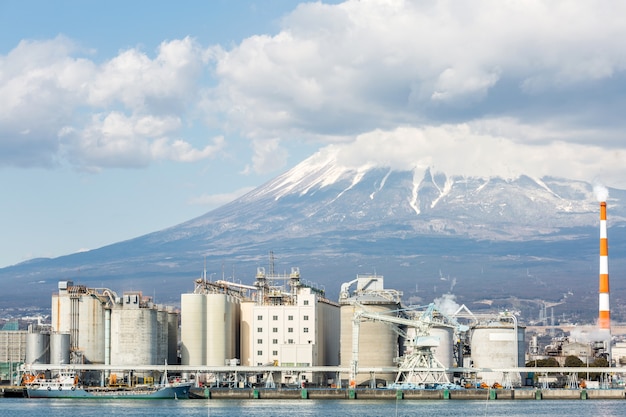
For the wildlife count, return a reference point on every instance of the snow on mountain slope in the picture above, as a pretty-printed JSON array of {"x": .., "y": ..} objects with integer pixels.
[
  {"x": 333, "y": 220},
  {"x": 320, "y": 195}
]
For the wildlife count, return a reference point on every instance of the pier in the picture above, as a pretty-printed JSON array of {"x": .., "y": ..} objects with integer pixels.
[
  {"x": 11, "y": 391},
  {"x": 316, "y": 392},
  {"x": 389, "y": 394}
]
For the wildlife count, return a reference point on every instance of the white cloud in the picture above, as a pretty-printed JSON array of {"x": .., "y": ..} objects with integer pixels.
[
  {"x": 182, "y": 151},
  {"x": 140, "y": 83},
  {"x": 125, "y": 112},
  {"x": 217, "y": 200},
  {"x": 488, "y": 79},
  {"x": 268, "y": 156},
  {"x": 358, "y": 65},
  {"x": 470, "y": 149}
]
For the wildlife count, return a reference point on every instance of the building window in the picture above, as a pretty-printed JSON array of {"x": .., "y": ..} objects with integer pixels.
[
  {"x": 259, "y": 353},
  {"x": 274, "y": 318},
  {"x": 259, "y": 330},
  {"x": 290, "y": 330},
  {"x": 305, "y": 318},
  {"x": 305, "y": 330},
  {"x": 289, "y": 317},
  {"x": 275, "y": 330},
  {"x": 259, "y": 317},
  {"x": 274, "y": 341},
  {"x": 259, "y": 341},
  {"x": 275, "y": 352},
  {"x": 290, "y": 341},
  {"x": 306, "y": 302}
]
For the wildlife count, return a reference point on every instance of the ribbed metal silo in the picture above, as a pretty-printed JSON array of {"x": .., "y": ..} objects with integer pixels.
[
  {"x": 172, "y": 336},
  {"x": 193, "y": 328},
  {"x": 232, "y": 328},
  {"x": 37, "y": 348},
  {"x": 59, "y": 348},
  {"x": 161, "y": 340}
]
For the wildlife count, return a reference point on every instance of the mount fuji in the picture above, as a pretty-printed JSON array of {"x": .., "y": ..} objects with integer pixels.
[{"x": 492, "y": 242}]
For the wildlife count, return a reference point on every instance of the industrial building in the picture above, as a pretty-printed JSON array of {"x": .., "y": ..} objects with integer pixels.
[
  {"x": 96, "y": 326},
  {"x": 210, "y": 319},
  {"x": 12, "y": 350},
  {"x": 278, "y": 321},
  {"x": 289, "y": 323}
]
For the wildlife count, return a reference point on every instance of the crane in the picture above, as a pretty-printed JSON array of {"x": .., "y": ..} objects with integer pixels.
[{"x": 420, "y": 366}]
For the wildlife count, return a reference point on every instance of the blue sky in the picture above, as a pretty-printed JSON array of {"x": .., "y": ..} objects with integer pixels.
[{"x": 123, "y": 118}]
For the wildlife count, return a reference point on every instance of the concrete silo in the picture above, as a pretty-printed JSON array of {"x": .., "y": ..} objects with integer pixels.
[
  {"x": 378, "y": 344},
  {"x": 133, "y": 333},
  {"x": 498, "y": 344}
]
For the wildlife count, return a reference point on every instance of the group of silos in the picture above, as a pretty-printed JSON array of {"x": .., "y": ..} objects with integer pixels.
[
  {"x": 209, "y": 328},
  {"x": 495, "y": 341},
  {"x": 98, "y": 327},
  {"x": 48, "y": 348}
]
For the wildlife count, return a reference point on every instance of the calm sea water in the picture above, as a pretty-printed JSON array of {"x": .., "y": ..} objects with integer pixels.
[{"x": 11, "y": 407}]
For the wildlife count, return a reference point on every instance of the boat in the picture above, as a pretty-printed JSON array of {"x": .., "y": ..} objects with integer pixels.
[{"x": 67, "y": 385}]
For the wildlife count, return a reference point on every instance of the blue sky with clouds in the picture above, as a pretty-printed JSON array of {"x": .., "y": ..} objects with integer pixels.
[{"x": 122, "y": 118}]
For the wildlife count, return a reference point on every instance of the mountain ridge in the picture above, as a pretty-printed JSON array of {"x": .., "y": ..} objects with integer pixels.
[{"x": 334, "y": 222}]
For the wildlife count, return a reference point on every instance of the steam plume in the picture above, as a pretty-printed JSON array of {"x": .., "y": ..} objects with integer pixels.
[{"x": 601, "y": 192}]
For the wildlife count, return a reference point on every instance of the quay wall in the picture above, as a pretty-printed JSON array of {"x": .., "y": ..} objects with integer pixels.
[{"x": 385, "y": 394}]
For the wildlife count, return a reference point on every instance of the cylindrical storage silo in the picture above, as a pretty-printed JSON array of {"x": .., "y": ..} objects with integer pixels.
[
  {"x": 172, "y": 336},
  {"x": 377, "y": 341},
  {"x": 88, "y": 312},
  {"x": 445, "y": 351},
  {"x": 246, "y": 332},
  {"x": 161, "y": 336},
  {"x": 217, "y": 329},
  {"x": 193, "y": 329},
  {"x": 133, "y": 336},
  {"x": 498, "y": 344},
  {"x": 37, "y": 348},
  {"x": 59, "y": 348}
]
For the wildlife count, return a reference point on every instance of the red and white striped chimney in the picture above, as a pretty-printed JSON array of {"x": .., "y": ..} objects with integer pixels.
[{"x": 604, "y": 318}]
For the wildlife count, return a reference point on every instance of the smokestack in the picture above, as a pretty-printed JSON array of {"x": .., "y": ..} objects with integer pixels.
[{"x": 604, "y": 318}]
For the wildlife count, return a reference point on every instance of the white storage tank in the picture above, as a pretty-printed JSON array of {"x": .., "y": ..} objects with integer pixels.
[
  {"x": 498, "y": 344},
  {"x": 445, "y": 351},
  {"x": 193, "y": 327},
  {"x": 59, "y": 348},
  {"x": 37, "y": 348},
  {"x": 221, "y": 335}
]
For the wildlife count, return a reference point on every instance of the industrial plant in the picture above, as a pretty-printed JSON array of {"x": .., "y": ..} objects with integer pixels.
[{"x": 282, "y": 331}]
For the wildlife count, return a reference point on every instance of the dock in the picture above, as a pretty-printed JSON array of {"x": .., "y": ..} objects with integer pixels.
[
  {"x": 11, "y": 391},
  {"x": 390, "y": 394}
]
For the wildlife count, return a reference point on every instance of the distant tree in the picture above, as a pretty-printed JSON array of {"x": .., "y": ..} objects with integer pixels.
[
  {"x": 543, "y": 363},
  {"x": 573, "y": 362},
  {"x": 598, "y": 363}
]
